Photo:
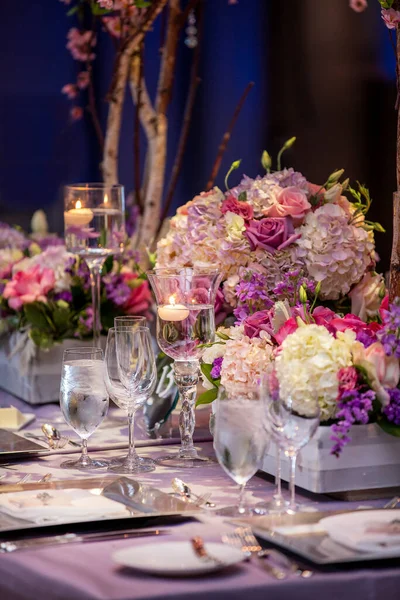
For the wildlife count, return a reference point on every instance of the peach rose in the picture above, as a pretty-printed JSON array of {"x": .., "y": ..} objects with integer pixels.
[
  {"x": 366, "y": 296},
  {"x": 291, "y": 202},
  {"x": 383, "y": 371},
  {"x": 29, "y": 286}
]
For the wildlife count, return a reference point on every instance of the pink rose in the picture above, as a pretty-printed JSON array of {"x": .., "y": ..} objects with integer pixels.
[
  {"x": 287, "y": 329},
  {"x": 221, "y": 308},
  {"x": 292, "y": 202},
  {"x": 384, "y": 371},
  {"x": 348, "y": 322},
  {"x": 271, "y": 234},
  {"x": 384, "y": 308},
  {"x": 140, "y": 299},
  {"x": 366, "y": 296},
  {"x": 324, "y": 316},
  {"x": 315, "y": 189},
  {"x": 257, "y": 322},
  {"x": 29, "y": 286},
  {"x": 244, "y": 209}
]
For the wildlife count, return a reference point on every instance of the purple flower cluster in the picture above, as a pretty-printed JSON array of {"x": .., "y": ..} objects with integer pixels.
[
  {"x": 216, "y": 368},
  {"x": 252, "y": 296},
  {"x": 12, "y": 238},
  {"x": 392, "y": 410},
  {"x": 390, "y": 333},
  {"x": 355, "y": 407},
  {"x": 287, "y": 288},
  {"x": 116, "y": 289}
]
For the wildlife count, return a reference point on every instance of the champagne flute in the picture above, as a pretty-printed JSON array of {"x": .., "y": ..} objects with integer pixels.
[
  {"x": 83, "y": 399},
  {"x": 94, "y": 229},
  {"x": 131, "y": 379},
  {"x": 240, "y": 438},
  {"x": 292, "y": 425}
]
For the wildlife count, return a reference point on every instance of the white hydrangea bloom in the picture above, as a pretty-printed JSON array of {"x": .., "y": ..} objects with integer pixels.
[
  {"x": 309, "y": 362},
  {"x": 335, "y": 252},
  {"x": 245, "y": 360}
]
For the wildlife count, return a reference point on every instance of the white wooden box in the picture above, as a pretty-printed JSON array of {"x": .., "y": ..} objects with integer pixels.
[
  {"x": 37, "y": 380},
  {"x": 370, "y": 461}
]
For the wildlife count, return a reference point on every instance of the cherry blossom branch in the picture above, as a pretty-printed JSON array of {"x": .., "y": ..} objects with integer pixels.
[
  {"x": 226, "y": 137},
  {"x": 91, "y": 95},
  {"x": 136, "y": 130}
]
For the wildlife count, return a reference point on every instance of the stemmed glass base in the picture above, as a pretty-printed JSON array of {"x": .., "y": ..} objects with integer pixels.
[
  {"x": 179, "y": 462},
  {"x": 132, "y": 465},
  {"x": 84, "y": 463}
]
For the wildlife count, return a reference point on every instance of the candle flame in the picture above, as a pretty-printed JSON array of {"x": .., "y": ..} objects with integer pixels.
[
  {"x": 172, "y": 300},
  {"x": 105, "y": 199},
  {"x": 78, "y": 204}
]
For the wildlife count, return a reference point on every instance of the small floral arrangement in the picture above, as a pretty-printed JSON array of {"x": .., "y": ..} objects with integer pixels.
[
  {"x": 45, "y": 291},
  {"x": 271, "y": 232}
]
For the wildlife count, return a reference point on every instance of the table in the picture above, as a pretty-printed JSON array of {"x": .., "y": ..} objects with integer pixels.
[{"x": 86, "y": 571}]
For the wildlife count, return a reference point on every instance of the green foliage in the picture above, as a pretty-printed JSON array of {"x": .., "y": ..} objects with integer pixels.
[
  {"x": 286, "y": 146},
  {"x": 388, "y": 427},
  {"x": 108, "y": 265},
  {"x": 362, "y": 202},
  {"x": 242, "y": 197},
  {"x": 207, "y": 397},
  {"x": 386, "y": 3},
  {"x": 222, "y": 336},
  {"x": 266, "y": 161},
  {"x": 235, "y": 165}
]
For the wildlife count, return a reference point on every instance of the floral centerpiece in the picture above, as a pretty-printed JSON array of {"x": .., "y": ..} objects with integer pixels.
[
  {"x": 45, "y": 290},
  {"x": 300, "y": 288}
]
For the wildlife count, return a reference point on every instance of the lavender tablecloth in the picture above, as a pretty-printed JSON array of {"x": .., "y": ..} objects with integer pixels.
[{"x": 87, "y": 571}]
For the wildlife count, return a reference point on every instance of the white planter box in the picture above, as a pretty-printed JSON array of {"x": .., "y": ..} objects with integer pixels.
[
  {"x": 38, "y": 381},
  {"x": 370, "y": 461}
]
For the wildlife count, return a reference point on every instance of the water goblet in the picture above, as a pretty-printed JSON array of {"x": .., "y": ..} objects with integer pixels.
[
  {"x": 83, "y": 399},
  {"x": 94, "y": 229},
  {"x": 131, "y": 376},
  {"x": 185, "y": 324},
  {"x": 240, "y": 438},
  {"x": 292, "y": 424}
]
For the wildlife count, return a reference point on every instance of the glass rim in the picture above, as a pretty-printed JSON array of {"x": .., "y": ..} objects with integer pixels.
[
  {"x": 83, "y": 349},
  {"x": 127, "y": 328},
  {"x": 93, "y": 186},
  {"x": 130, "y": 317},
  {"x": 196, "y": 271}
]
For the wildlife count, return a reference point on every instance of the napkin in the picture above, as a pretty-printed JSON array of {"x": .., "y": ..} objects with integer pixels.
[
  {"x": 56, "y": 506},
  {"x": 11, "y": 418},
  {"x": 372, "y": 535}
]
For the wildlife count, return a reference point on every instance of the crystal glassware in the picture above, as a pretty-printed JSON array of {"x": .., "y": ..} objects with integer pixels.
[
  {"x": 185, "y": 324},
  {"x": 292, "y": 425},
  {"x": 131, "y": 376},
  {"x": 240, "y": 437},
  {"x": 83, "y": 399},
  {"x": 94, "y": 226}
]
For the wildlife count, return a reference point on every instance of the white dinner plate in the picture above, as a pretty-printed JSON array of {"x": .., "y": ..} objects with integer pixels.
[
  {"x": 353, "y": 530},
  {"x": 177, "y": 558}
]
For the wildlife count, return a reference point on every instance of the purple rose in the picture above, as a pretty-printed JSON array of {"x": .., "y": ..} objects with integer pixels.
[
  {"x": 243, "y": 209},
  {"x": 258, "y": 321},
  {"x": 271, "y": 234}
]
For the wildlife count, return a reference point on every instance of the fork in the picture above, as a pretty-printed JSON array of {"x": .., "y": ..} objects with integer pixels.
[
  {"x": 201, "y": 552},
  {"x": 393, "y": 502},
  {"x": 243, "y": 537},
  {"x": 251, "y": 547}
]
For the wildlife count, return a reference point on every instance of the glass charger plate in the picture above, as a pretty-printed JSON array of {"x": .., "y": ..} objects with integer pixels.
[
  {"x": 134, "y": 501},
  {"x": 18, "y": 446},
  {"x": 302, "y": 535}
]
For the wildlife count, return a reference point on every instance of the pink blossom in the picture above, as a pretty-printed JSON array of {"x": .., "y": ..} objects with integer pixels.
[
  {"x": 29, "y": 286},
  {"x": 242, "y": 209},
  {"x": 257, "y": 322},
  {"x": 108, "y": 4},
  {"x": 384, "y": 308},
  {"x": 80, "y": 43},
  {"x": 315, "y": 189},
  {"x": 386, "y": 370},
  {"x": 391, "y": 17},
  {"x": 113, "y": 26},
  {"x": 221, "y": 308},
  {"x": 76, "y": 113},
  {"x": 287, "y": 329},
  {"x": 140, "y": 298},
  {"x": 83, "y": 80},
  {"x": 348, "y": 322},
  {"x": 291, "y": 202},
  {"x": 347, "y": 378},
  {"x": 358, "y": 5},
  {"x": 70, "y": 91},
  {"x": 271, "y": 234}
]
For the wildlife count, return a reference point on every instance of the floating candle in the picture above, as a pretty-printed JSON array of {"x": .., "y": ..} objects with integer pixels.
[
  {"x": 172, "y": 311},
  {"x": 78, "y": 216}
]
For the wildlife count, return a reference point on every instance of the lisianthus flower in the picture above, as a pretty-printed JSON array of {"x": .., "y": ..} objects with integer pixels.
[{"x": 29, "y": 286}]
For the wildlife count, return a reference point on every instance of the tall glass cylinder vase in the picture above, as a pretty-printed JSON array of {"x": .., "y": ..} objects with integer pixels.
[
  {"x": 185, "y": 323},
  {"x": 94, "y": 221}
]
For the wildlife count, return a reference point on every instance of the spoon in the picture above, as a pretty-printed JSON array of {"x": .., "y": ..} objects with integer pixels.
[
  {"x": 183, "y": 489},
  {"x": 53, "y": 435}
]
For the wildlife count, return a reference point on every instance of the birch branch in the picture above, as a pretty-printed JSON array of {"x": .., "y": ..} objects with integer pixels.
[{"x": 394, "y": 288}]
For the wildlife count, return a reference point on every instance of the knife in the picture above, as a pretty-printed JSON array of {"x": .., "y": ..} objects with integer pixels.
[{"x": 73, "y": 538}]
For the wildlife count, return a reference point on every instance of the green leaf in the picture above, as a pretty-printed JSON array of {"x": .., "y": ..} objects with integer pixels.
[
  {"x": 389, "y": 427},
  {"x": 142, "y": 3},
  {"x": 73, "y": 10},
  {"x": 79, "y": 299},
  {"x": 222, "y": 336},
  {"x": 207, "y": 397},
  {"x": 41, "y": 339},
  {"x": 35, "y": 314},
  {"x": 206, "y": 370},
  {"x": 242, "y": 197},
  {"x": 108, "y": 265},
  {"x": 97, "y": 10}
]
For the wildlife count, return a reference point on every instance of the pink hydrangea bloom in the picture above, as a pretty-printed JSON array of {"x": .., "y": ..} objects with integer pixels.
[
  {"x": 391, "y": 17},
  {"x": 29, "y": 286}
]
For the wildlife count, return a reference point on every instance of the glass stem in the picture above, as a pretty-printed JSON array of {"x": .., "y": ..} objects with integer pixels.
[
  {"x": 241, "y": 507},
  {"x": 132, "y": 454},
  {"x": 95, "y": 282},
  {"x": 292, "y": 504},
  {"x": 278, "y": 475},
  {"x": 84, "y": 459},
  {"x": 186, "y": 378}
]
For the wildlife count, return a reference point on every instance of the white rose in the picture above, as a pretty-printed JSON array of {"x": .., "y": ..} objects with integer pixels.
[
  {"x": 366, "y": 296},
  {"x": 39, "y": 222}
]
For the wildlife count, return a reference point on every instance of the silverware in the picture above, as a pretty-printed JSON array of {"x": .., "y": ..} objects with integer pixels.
[
  {"x": 25, "y": 478},
  {"x": 72, "y": 538},
  {"x": 45, "y": 478},
  {"x": 33, "y": 436},
  {"x": 55, "y": 438},
  {"x": 184, "y": 490},
  {"x": 392, "y": 503},
  {"x": 201, "y": 552}
]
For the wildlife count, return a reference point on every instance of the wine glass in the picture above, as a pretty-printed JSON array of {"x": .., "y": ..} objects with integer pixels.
[
  {"x": 94, "y": 225},
  {"x": 292, "y": 425},
  {"x": 240, "y": 438},
  {"x": 131, "y": 376},
  {"x": 129, "y": 321},
  {"x": 185, "y": 324},
  {"x": 83, "y": 399}
]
